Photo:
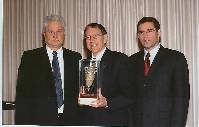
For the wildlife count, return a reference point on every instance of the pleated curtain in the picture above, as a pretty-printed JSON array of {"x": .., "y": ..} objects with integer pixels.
[{"x": 22, "y": 28}]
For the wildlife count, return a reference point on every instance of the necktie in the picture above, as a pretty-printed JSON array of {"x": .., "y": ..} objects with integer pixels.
[
  {"x": 93, "y": 62},
  {"x": 57, "y": 79},
  {"x": 146, "y": 64}
]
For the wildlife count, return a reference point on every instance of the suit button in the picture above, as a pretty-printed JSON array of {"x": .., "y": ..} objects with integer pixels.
[{"x": 144, "y": 85}]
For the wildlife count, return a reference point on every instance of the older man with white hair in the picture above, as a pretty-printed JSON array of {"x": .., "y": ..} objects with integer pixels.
[{"x": 47, "y": 85}]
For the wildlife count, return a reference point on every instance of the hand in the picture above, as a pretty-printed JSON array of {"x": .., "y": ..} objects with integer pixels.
[{"x": 101, "y": 102}]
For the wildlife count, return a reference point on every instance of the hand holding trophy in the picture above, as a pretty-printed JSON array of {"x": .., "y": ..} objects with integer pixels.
[
  {"x": 101, "y": 102},
  {"x": 89, "y": 81}
]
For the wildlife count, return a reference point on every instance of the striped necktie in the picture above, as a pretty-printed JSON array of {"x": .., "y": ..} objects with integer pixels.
[{"x": 146, "y": 64}]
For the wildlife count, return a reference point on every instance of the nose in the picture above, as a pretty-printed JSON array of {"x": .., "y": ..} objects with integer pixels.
[
  {"x": 91, "y": 42},
  {"x": 92, "y": 38},
  {"x": 145, "y": 33},
  {"x": 54, "y": 34}
]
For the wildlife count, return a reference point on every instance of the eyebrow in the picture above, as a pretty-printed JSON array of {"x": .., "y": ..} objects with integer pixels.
[{"x": 148, "y": 29}]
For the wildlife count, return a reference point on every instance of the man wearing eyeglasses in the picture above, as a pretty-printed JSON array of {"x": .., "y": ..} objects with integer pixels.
[
  {"x": 162, "y": 80},
  {"x": 114, "y": 101}
]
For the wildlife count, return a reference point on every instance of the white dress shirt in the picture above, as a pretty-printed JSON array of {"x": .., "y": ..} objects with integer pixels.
[
  {"x": 61, "y": 66},
  {"x": 99, "y": 55},
  {"x": 153, "y": 53}
]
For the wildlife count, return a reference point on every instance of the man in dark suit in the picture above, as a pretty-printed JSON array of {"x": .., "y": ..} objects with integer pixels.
[
  {"x": 47, "y": 85},
  {"x": 161, "y": 79},
  {"x": 112, "y": 107}
]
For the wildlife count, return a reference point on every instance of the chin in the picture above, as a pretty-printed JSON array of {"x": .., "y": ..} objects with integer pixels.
[
  {"x": 147, "y": 45},
  {"x": 94, "y": 52}
]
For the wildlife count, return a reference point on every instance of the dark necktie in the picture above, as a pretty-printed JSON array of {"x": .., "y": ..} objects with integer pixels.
[
  {"x": 146, "y": 64},
  {"x": 57, "y": 79}
]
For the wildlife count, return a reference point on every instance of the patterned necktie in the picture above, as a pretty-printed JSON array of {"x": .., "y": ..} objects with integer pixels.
[
  {"x": 146, "y": 64},
  {"x": 57, "y": 79},
  {"x": 93, "y": 62}
]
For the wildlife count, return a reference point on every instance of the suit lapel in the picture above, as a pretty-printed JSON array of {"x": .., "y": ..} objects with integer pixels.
[
  {"x": 46, "y": 62},
  {"x": 159, "y": 58},
  {"x": 140, "y": 66},
  {"x": 105, "y": 60},
  {"x": 68, "y": 72},
  {"x": 104, "y": 63},
  {"x": 46, "y": 71},
  {"x": 67, "y": 67}
]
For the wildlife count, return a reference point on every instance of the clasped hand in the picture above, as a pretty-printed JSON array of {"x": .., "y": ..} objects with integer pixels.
[{"x": 101, "y": 102}]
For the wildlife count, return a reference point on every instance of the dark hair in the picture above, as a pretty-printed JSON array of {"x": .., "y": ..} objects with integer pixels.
[
  {"x": 149, "y": 19},
  {"x": 95, "y": 25}
]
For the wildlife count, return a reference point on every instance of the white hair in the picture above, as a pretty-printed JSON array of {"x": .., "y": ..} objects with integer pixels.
[{"x": 52, "y": 17}]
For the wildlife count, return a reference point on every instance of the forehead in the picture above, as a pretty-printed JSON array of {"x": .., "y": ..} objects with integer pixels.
[
  {"x": 146, "y": 25},
  {"x": 54, "y": 25},
  {"x": 93, "y": 30}
]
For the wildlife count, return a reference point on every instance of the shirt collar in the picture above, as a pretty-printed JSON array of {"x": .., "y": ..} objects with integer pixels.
[
  {"x": 99, "y": 54},
  {"x": 59, "y": 51},
  {"x": 153, "y": 52}
]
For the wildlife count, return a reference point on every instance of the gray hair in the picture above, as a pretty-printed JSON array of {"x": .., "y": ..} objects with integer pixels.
[{"x": 52, "y": 17}]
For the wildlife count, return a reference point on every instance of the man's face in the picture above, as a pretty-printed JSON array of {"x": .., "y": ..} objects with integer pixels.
[
  {"x": 148, "y": 36},
  {"x": 95, "y": 40},
  {"x": 54, "y": 35}
]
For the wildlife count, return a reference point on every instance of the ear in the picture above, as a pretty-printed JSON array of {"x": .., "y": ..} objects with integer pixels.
[
  {"x": 105, "y": 39},
  {"x": 44, "y": 38},
  {"x": 137, "y": 37},
  {"x": 159, "y": 33},
  {"x": 43, "y": 34}
]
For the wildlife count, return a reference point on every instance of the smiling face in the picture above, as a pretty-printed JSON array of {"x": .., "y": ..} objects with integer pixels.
[
  {"x": 95, "y": 40},
  {"x": 148, "y": 35},
  {"x": 54, "y": 35}
]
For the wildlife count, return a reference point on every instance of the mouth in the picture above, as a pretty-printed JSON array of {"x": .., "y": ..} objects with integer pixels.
[
  {"x": 56, "y": 40},
  {"x": 146, "y": 41},
  {"x": 93, "y": 46}
]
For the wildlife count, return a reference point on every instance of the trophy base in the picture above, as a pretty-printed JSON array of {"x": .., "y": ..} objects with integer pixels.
[{"x": 86, "y": 101}]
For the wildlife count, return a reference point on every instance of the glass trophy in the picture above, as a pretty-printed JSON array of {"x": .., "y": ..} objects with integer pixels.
[{"x": 89, "y": 82}]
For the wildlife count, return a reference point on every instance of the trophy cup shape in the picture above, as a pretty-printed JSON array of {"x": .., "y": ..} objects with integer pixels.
[{"x": 89, "y": 79}]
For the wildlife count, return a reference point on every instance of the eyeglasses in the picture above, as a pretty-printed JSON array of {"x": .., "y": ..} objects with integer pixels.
[
  {"x": 95, "y": 36},
  {"x": 55, "y": 33},
  {"x": 149, "y": 31}
]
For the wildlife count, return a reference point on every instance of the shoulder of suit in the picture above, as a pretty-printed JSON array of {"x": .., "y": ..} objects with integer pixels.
[
  {"x": 41, "y": 50},
  {"x": 32, "y": 55},
  {"x": 176, "y": 56},
  {"x": 33, "y": 52},
  {"x": 137, "y": 54},
  {"x": 173, "y": 53},
  {"x": 117, "y": 54},
  {"x": 116, "y": 57},
  {"x": 72, "y": 53}
]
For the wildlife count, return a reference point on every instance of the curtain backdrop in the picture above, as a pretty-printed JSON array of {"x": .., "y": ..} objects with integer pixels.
[{"x": 23, "y": 25}]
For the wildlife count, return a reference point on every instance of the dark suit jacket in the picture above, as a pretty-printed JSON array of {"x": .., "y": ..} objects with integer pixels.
[
  {"x": 116, "y": 88},
  {"x": 162, "y": 98},
  {"x": 35, "y": 92}
]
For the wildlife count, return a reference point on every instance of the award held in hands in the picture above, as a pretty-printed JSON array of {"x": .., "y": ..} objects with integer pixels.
[{"x": 89, "y": 83}]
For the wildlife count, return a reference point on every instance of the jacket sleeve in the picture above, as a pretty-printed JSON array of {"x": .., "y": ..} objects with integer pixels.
[
  {"x": 124, "y": 98},
  {"x": 23, "y": 110},
  {"x": 181, "y": 93}
]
